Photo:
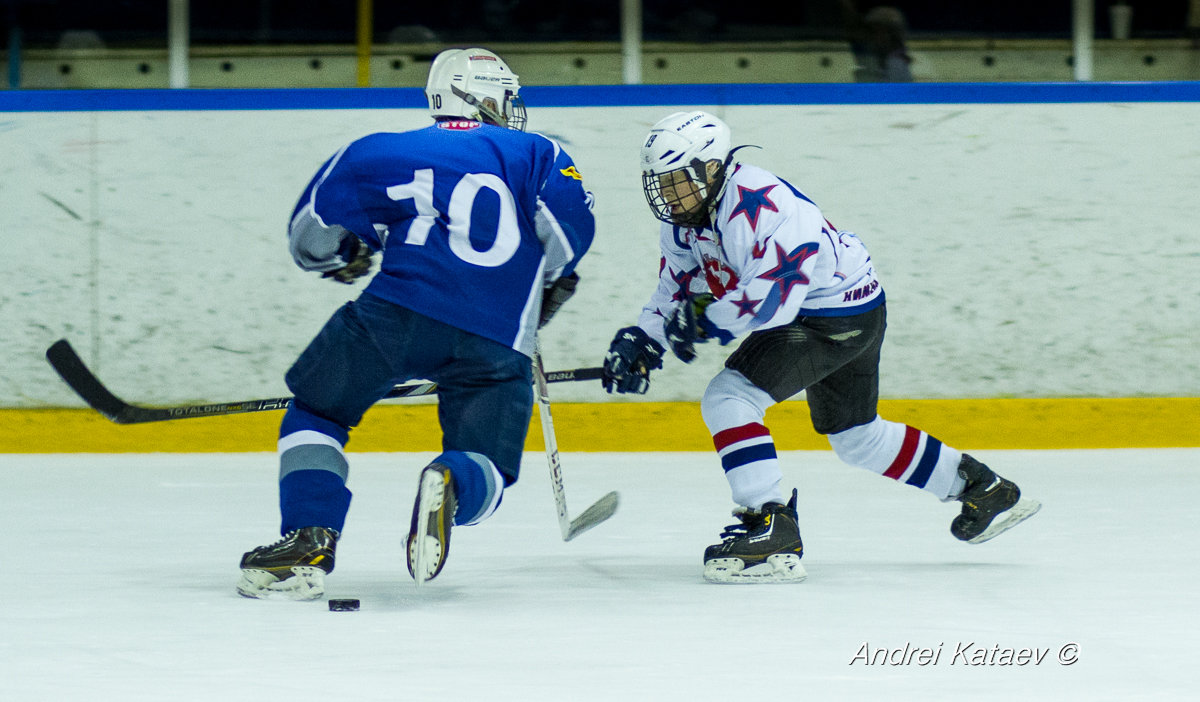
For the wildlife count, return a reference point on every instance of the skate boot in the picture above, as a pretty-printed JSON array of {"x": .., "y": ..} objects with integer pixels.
[
  {"x": 292, "y": 568},
  {"x": 991, "y": 504},
  {"x": 433, "y": 516},
  {"x": 764, "y": 548}
]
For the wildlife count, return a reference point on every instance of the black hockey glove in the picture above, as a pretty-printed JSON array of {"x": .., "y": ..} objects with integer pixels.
[
  {"x": 555, "y": 295},
  {"x": 357, "y": 256},
  {"x": 631, "y": 356},
  {"x": 686, "y": 326}
]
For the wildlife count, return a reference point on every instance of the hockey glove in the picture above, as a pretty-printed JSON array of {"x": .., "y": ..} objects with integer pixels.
[
  {"x": 555, "y": 295},
  {"x": 357, "y": 256},
  {"x": 631, "y": 357},
  {"x": 687, "y": 325}
]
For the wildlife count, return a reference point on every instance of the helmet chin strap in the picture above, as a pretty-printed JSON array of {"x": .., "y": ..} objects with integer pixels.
[
  {"x": 713, "y": 189},
  {"x": 714, "y": 198},
  {"x": 470, "y": 99}
]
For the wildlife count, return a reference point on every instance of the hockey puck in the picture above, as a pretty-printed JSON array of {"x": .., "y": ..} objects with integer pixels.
[{"x": 343, "y": 605}]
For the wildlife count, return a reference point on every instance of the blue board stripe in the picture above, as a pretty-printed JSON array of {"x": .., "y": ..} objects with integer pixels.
[
  {"x": 232, "y": 99},
  {"x": 604, "y": 96}
]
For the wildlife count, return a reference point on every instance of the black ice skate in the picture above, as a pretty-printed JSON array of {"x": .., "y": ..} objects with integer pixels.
[
  {"x": 292, "y": 568},
  {"x": 991, "y": 504},
  {"x": 764, "y": 548},
  {"x": 433, "y": 517}
]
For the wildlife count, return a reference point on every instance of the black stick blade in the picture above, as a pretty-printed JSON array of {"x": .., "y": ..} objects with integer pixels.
[{"x": 70, "y": 367}]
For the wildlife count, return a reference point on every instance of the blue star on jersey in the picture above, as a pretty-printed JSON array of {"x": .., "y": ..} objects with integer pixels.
[
  {"x": 786, "y": 274},
  {"x": 683, "y": 280},
  {"x": 751, "y": 202}
]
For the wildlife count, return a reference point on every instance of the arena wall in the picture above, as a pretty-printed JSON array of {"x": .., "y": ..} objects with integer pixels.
[{"x": 1037, "y": 243}]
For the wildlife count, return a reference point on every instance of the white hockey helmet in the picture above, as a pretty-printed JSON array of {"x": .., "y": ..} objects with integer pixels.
[
  {"x": 475, "y": 84},
  {"x": 684, "y": 159}
]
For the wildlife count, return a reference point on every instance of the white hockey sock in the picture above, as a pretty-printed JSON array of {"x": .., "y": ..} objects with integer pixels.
[
  {"x": 902, "y": 453},
  {"x": 733, "y": 409},
  {"x": 748, "y": 456}
]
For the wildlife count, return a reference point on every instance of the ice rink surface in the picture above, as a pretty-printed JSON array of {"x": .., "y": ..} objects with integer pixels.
[{"x": 119, "y": 574}]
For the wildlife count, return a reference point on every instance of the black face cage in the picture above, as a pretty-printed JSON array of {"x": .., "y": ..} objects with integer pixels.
[
  {"x": 516, "y": 113},
  {"x": 652, "y": 187},
  {"x": 661, "y": 205}
]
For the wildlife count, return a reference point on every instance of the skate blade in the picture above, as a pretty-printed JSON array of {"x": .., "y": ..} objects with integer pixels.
[
  {"x": 425, "y": 552},
  {"x": 779, "y": 568},
  {"x": 305, "y": 583},
  {"x": 1024, "y": 509}
]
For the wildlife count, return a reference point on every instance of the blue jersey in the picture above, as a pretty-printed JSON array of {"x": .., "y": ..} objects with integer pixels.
[{"x": 473, "y": 221}]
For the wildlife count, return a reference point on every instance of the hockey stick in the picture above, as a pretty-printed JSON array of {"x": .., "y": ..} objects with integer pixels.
[
  {"x": 85, "y": 383},
  {"x": 605, "y": 507}
]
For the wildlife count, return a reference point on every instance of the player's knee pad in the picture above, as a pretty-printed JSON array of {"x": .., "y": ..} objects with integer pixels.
[
  {"x": 731, "y": 400},
  {"x": 478, "y": 485}
]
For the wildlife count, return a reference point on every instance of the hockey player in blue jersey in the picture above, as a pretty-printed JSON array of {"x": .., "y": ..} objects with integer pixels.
[
  {"x": 744, "y": 253},
  {"x": 481, "y": 226}
]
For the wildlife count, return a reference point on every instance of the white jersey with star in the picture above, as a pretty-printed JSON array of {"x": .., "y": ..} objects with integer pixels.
[{"x": 769, "y": 257}]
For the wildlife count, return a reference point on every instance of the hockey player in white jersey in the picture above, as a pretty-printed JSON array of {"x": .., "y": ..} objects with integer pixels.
[
  {"x": 746, "y": 253},
  {"x": 480, "y": 226}
]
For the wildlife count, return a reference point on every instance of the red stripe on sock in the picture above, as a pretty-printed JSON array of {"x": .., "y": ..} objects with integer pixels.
[
  {"x": 907, "y": 450},
  {"x": 735, "y": 434}
]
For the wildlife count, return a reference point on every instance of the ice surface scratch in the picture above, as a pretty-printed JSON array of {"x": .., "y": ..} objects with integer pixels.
[{"x": 61, "y": 206}]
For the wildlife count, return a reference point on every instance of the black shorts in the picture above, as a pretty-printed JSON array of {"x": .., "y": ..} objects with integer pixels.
[
  {"x": 836, "y": 359},
  {"x": 485, "y": 390}
]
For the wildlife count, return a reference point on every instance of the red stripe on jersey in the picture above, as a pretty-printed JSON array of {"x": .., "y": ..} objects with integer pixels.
[
  {"x": 907, "y": 450},
  {"x": 735, "y": 434}
]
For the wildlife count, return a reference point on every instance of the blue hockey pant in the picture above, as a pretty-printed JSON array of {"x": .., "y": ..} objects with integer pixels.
[{"x": 485, "y": 399}]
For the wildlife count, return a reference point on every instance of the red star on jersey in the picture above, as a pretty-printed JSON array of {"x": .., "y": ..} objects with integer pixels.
[
  {"x": 745, "y": 305},
  {"x": 786, "y": 272},
  {"x": 751, "y": 202}
]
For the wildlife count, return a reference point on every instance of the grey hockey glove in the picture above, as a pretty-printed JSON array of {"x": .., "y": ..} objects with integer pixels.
[
  {"x": 688, "y": 325},
  {"x": 555, "y": 295},
  {"x": 357, "y": 256},
  {"x": 631, "y": 357}
]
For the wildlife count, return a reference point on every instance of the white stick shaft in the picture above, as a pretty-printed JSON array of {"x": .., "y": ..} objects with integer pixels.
[{"x": 556, "y": 480}]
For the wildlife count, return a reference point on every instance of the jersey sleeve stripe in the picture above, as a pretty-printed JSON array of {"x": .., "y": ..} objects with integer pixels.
[{"x": 312, "y": 198}]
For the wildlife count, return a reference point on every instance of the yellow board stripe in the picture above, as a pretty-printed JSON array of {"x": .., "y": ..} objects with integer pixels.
[{"x": 1153, "y": 422}]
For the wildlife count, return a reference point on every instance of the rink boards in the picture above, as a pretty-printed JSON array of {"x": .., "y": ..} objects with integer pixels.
[
  {"x": 642, "y": 426},
  {"x": 967, "y": 194}
]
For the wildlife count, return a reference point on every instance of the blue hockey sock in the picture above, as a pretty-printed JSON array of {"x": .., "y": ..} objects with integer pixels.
[
  {"x": 477, "y": 484},
  {"x": 312, "y": 471},
  {"x": 313, "y": 498}
]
